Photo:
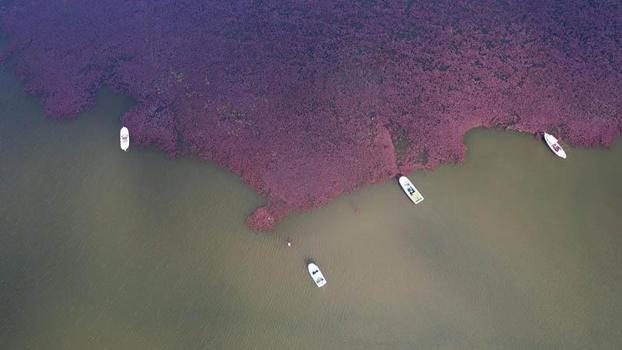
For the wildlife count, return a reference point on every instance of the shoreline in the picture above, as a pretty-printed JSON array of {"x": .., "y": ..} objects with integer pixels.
[{"x": 304, "y": 116}]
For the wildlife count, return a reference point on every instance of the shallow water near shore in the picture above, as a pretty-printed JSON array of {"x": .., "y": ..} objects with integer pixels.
[{"x": 514, "y": 249}]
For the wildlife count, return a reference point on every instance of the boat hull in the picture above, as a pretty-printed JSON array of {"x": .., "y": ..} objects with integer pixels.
[
  {"x": 554, "y": 145},
  {"x": 124, "y": 138},
  {"x": 316, "y": 275},
  {"x": 410, "y": 190}
]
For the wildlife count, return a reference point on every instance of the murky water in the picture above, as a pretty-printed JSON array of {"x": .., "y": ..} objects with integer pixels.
[{"x": 101, "y": 249}]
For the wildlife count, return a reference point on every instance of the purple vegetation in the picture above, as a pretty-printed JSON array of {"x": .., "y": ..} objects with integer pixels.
[{"x": 308, "y": 99}]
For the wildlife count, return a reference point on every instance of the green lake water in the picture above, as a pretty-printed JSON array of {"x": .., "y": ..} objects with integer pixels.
[{"x": 101, "y": 249}]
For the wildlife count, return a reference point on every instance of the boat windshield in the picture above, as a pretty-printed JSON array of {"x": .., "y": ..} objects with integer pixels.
[{"x": 556, "y": 147}]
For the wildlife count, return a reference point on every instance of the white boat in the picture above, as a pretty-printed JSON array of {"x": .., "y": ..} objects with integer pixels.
[
  {"x": 316, "y": 274},
  {"x": 125, "y": 138},
  {"x": 410, "y": 190},
  {"x": 553, "y": 144}
]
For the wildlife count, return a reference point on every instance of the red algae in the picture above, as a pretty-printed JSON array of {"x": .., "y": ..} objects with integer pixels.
[{"x": 306, "y": 100}]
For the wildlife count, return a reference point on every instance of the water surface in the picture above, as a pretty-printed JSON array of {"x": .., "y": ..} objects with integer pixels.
[{"x": 514, "y": 249}]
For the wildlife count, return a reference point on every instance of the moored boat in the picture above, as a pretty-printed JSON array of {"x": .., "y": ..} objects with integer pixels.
[
  {"x": 124, "y": 138},
  {"x": 410, "y": 190},
  {"x": 316, "y": 274},
  {"x": 554, "y": 145}
]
